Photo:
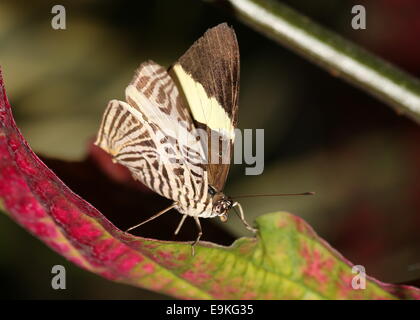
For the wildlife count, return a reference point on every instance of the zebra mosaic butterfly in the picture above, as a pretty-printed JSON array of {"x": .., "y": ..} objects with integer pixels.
[{"x": 175, "y": 132}]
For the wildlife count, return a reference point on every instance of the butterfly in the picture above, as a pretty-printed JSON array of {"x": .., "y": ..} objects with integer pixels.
[{"x": 175, "y": 131}]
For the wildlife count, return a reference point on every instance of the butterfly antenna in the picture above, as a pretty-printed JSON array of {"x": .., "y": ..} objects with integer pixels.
[
  {"x": 273, "y": 195},
  {"x": 152, "y": 217}
]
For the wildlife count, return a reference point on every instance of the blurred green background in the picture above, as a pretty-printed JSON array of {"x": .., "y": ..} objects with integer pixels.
[{"x": 321, "y": 134}]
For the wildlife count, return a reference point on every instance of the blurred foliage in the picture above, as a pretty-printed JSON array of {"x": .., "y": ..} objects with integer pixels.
[{"x": 321, "y": 134}]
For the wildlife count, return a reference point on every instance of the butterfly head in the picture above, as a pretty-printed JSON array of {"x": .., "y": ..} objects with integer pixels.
[{"x": 221, "y": 206}]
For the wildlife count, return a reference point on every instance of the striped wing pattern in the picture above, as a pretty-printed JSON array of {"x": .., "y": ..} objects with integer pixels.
[{"x": 153, "y": 135}]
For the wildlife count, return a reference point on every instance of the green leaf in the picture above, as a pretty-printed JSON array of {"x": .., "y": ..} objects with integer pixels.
[{"x": 286, "y": 261}]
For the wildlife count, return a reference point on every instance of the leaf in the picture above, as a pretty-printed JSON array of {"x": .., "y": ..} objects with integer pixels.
[{"x": 287, "y": 260}]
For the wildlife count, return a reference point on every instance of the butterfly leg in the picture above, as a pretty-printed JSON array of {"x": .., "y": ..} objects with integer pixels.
[
  {"x": 242, "y": 217},
  {"x": 153, "y": 217},
  {"x": 200, "y": 232},
  {"x": 180, "y": 224}
]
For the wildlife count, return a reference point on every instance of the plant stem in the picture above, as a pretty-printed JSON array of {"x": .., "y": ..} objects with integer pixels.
[{"x": 329, "y": 50}]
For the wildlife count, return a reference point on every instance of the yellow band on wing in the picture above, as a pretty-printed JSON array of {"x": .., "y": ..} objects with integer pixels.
[{"x": 204, "y": 109}]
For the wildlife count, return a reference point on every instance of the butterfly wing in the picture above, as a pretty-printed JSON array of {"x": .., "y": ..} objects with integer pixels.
[
  {"x": 208, "y": 74},
  {"x": 153, "y": 136}
]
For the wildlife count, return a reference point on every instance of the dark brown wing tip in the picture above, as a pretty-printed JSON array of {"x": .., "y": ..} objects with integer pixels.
[{"x": 221, "y": 28}]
